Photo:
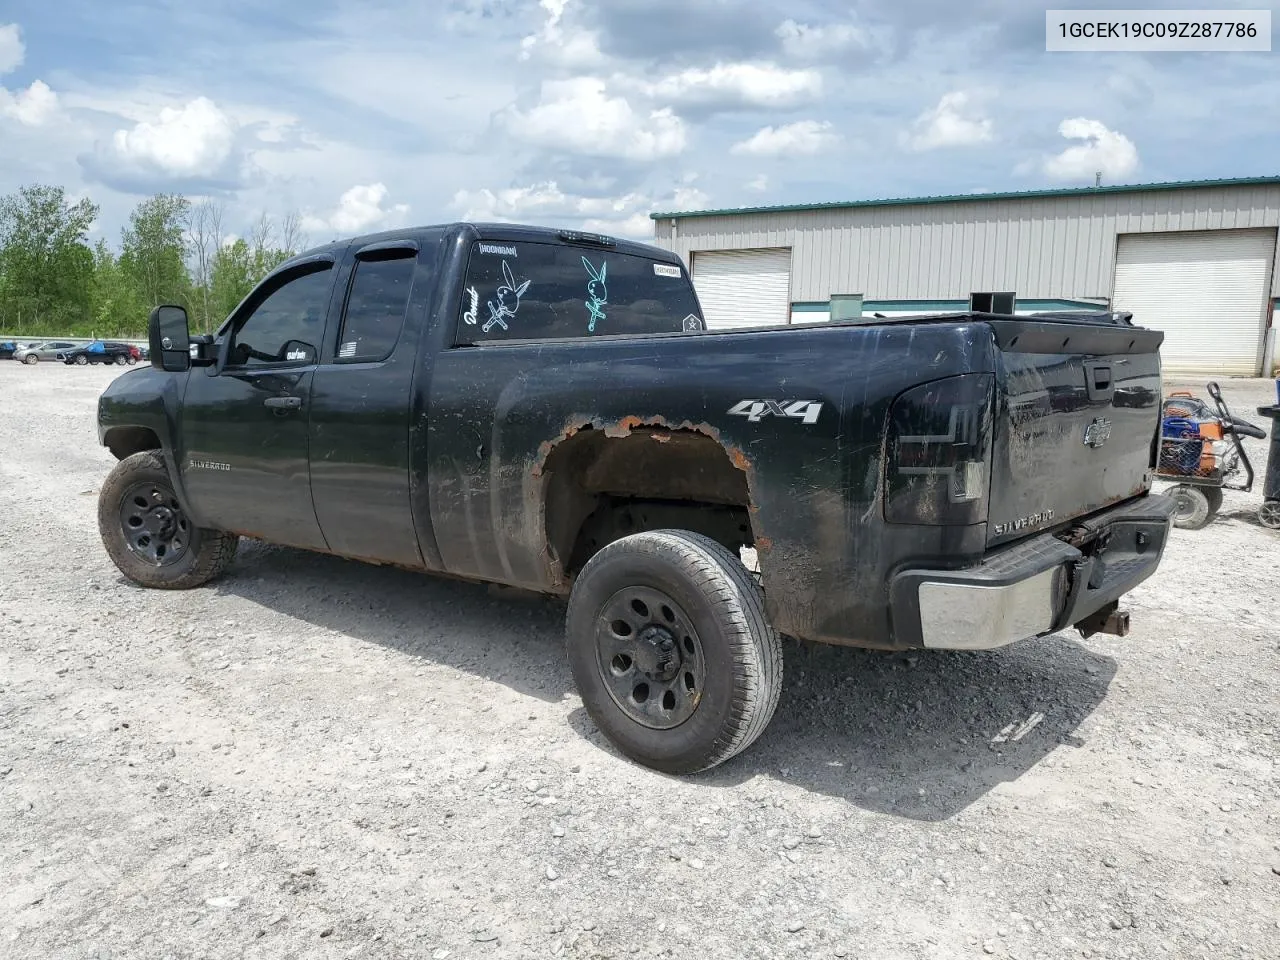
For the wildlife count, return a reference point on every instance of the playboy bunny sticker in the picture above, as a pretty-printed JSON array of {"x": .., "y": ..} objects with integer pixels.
[
  {"x": 599, "y": 296},
  {"x": 506, "y": 300}
]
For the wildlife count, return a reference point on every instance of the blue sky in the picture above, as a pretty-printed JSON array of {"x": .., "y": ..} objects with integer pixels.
[{"x": 365, "y": 115}]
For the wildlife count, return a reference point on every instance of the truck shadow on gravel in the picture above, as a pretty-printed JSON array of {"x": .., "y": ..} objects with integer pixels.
[
  {"x": 920, "y": 735},
  {"x": 512, "y": 638}
]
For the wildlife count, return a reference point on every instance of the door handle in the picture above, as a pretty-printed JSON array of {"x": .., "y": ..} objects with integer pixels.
[
  {"x": 286, "y": 403},
  {"x": 1099, "y": 384}
]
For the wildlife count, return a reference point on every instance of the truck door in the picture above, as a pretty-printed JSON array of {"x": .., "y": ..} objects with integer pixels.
[
  {"x": 243, "y": 437},
  {"x": 359, "y": 410}
]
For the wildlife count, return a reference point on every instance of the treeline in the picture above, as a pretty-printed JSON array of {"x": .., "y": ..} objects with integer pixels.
[{"x": 53, "y": 282}]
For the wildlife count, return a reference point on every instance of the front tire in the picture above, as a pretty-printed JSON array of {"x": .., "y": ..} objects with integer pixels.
[
  {"x": 671, "y": 650},
  {"x": 81, "y": 360},
  {"x": 30, "y": 358},
  {"x": 146, "y": 533}
]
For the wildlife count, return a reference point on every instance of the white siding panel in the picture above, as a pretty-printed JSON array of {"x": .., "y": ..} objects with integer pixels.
[
  {"x": 1206, "y": 290},
  {"x": 1042, "y": 247},
  {"x": 743, "y": 288}
]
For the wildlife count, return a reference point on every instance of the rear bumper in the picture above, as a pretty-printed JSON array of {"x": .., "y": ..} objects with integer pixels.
[{"x": 1037, "y": 586}]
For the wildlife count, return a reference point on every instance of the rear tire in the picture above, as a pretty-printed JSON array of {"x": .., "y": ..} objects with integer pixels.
[
  {"x": 671, "y": 650},
  {"x": 1191, "y": 507},
  {"x": 121, "y": 360},
  {"x": 146, "y": 533}
]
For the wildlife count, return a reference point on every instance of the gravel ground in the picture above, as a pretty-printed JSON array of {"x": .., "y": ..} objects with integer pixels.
[{"x": 316, "y": 758}]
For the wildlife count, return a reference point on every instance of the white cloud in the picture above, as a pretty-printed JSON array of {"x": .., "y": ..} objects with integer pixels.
[
  {"x": 954, "y": 122},
  {"x": 11, "y": 49},
  {"x": 759, "y": 184},
  {"x": 807, "y": 42},
  {"x": 729, "y": 85},
  {"x": 194, "y": 140},
  {"x": 1104, "y": 150},
  {"x": 566, "y": 45},
  {"x": 579, "y": 116},
  {"x": 626, "y": 215},
  {"x": 32, "y": 106},
  {"x": 793, "y": 139},
  {"x": 358, "y": 209},
  {"x": 638, "y": 226}
]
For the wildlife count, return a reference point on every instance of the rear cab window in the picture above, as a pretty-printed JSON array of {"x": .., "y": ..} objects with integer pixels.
[{"x": 518, "y": 290}]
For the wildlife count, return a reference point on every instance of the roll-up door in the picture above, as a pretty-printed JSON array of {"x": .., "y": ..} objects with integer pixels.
[
  {"x": 743, "y": 288},
  {"x": 1207, "y": 290}
]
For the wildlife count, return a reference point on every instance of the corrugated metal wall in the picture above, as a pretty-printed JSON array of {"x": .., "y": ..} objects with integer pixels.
[{"x": 1040, "y": 247}]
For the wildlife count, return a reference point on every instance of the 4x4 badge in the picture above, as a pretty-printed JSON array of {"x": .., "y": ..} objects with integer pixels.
[
  {"x": 756, "y": 410},
  {"x": 1097, "y": 433}
]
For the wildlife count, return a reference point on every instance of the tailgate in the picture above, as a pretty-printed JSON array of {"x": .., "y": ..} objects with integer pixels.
[{"x": 1078, "y": 404}]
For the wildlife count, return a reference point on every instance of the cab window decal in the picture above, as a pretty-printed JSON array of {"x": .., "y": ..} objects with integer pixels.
[
  {"x": 597, "y": 293},
  {"x": 506, "y": 300}
]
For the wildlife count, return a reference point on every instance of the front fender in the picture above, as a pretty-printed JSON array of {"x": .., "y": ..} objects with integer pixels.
[{"x": 146, "y": 400}]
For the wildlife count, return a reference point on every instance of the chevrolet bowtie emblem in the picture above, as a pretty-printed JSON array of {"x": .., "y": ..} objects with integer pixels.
[{"x": 1097, "y": 433}]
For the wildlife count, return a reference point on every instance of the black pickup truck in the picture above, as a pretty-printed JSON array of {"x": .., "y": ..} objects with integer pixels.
[{"x": 546, "y": 410}]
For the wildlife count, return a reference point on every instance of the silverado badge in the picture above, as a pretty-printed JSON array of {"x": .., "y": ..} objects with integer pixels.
[{"x": 1023, "y": 523}]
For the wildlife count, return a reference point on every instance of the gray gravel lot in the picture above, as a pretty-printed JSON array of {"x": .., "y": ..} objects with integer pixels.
[{"x": 317, "y": 758}]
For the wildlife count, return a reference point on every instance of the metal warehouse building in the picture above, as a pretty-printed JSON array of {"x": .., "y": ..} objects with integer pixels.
[{"x": 1195, "y": 260}]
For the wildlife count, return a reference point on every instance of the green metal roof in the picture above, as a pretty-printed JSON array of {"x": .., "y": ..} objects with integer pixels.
[{"x": 971, "y": 197}]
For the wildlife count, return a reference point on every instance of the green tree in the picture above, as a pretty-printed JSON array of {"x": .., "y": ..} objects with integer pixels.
[
  {"x": 235, "y": 268},
  {"x": 117, "y": 307},
  {"x": 154, "y": 251},
  {"x": 46, "y": 266},
  {"x": 231, "y": 278}
]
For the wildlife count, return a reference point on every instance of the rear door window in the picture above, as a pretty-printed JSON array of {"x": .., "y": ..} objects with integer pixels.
[
  {"x": 520, "y": 291},
  {"x": 376, "y": 305}
]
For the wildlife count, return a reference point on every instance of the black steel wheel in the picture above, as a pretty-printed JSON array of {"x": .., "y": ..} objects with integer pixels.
[
  {"x": 1190, "y": 507},
  {"x": 1269, "y": 514},
  {"x": 650, "y": 658},
  {"x": 153, "y": 524},
  {"x": 147, "y": 534},
  {"x": 671, "y": 650}
]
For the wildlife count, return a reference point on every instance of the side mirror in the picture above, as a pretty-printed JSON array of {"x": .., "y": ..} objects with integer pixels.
[{"x": 169, "y": 340}]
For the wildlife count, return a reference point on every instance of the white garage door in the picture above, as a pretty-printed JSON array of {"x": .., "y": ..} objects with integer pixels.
[
  {"x": 743, "y": 288},
  {"x": 1206, "y": 291}
]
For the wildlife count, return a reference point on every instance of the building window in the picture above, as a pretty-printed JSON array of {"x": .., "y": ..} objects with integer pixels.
[
  {"x": 846, "y": 306},
  {"x": 993, "y": 302}
]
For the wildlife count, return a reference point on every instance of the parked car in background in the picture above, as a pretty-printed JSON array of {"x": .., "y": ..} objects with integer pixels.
[
  {"x": 101, "y": 352},
  {"x": 7, "y": 349},
  {"x": 48, "y": 350}
]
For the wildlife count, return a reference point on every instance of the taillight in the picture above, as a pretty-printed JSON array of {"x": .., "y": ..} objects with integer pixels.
[{"x": 937, "y": 468}]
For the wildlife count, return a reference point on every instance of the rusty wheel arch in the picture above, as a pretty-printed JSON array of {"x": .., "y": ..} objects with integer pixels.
[{"x": 599, "y": 480}]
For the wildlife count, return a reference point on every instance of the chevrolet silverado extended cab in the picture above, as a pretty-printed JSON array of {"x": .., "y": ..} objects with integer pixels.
[{"x": 546, "y": 410}]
